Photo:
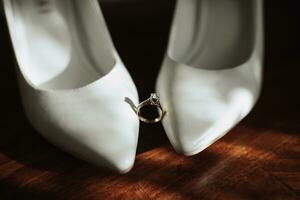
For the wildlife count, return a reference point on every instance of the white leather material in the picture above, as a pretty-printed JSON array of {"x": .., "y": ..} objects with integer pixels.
[
  {"x": 204, "y": 102},
  {"x": 81, "y": 110}
]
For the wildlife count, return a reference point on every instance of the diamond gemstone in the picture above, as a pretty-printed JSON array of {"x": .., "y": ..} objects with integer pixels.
[{"x": 154, "y": 98}]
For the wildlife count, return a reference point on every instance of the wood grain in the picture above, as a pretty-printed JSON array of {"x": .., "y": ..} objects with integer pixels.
[{"x": 258, "y": 159}]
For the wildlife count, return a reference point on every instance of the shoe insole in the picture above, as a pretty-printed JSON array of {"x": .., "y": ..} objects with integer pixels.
[
  {"x": 212, "y": 34},
  {"x": 58, "y": 53}
]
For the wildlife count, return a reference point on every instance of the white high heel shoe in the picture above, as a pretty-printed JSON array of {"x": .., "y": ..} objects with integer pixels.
[
  {"x": 212, "y": 72},
  {"x": 72, "y": 80}
]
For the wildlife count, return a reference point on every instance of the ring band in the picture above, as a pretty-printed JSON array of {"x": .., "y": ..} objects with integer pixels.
[{"x": 152, "y": 101}]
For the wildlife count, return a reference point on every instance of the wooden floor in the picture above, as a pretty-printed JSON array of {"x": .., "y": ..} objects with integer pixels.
[{"x": 258, "y": 159}]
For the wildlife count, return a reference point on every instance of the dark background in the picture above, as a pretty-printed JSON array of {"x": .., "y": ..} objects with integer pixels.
[{"x": 259, "y": 159}]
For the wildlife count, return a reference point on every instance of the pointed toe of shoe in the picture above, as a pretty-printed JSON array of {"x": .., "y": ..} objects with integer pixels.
[
  {"x": 92, "y": 123},
  {"x": 115, "y": 155},
  {"x": 196, "y": 124},
  {"x": 202, "y": 106},
  {"x": 125, "y": 163},
  {"x": 110, "y": 144}
]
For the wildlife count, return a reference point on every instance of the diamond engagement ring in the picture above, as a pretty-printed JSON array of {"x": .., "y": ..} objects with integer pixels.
[{"x": 154, "y": 101}]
